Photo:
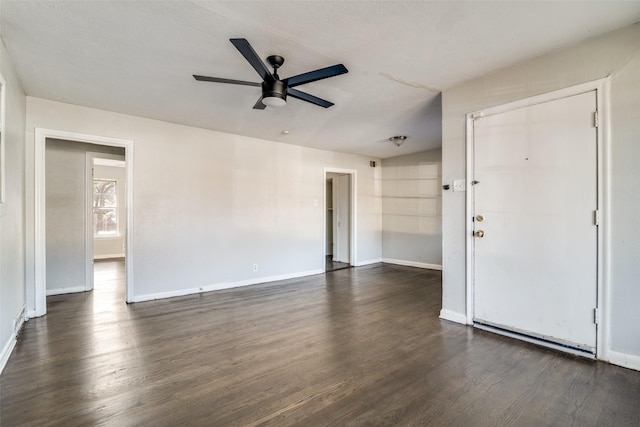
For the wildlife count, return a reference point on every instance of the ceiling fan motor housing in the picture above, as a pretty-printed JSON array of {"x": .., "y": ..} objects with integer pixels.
[{"x": 274, "y": 89}]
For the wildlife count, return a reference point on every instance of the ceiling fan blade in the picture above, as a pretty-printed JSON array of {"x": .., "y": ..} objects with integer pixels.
[
  {"x": 309, "y": 98},
  {"x": 259, "y": 105},
  {"x": 250, "y": 55},
  {"x": 313, "y": 76},
  {"x": 221, "y": 80}
]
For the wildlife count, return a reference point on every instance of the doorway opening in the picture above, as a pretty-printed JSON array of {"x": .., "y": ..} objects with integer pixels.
[
  {"x": 85, "y": 212},
  {"x": 65, "y": 229},
  {"x": 106, "y": 237},
  {"x": 338, "y": 220}
]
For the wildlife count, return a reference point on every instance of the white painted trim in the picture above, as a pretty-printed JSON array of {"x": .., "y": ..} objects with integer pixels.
[
  {"x": 109, "y": 256},
  {"x": 3, "y": 174},
  {"x": 225, "y": 285},
  {"x": 603, "y": 334},
  {"x": 626, "y": 360},
  {"x": 39, "y": 307},
  {"x": 6, "y": 351},
  {"x": 469, "y": 242},
  {"x": 69, "y": 290},
  {"x": 40, "y": 232},
  {"x": 452, "y": 316},
  {"x": 542, "y": 98},
  {"x": 413, "y": 264},
  {"x": 353, "y": 252},
  {"x": 18, "y": 322},
  {"x": 88, "y": 221},
  {"x": 368, "y": 262},
  {"x": 602, "y": 89}
]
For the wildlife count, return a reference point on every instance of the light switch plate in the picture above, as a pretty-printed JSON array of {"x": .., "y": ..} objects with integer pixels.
[{"x": 458, "y": 185}]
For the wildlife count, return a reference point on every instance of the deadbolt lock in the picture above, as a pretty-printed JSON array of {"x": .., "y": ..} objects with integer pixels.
[
  {"x": 479, "y": 233},
  {"x": 479, "y": 218}
]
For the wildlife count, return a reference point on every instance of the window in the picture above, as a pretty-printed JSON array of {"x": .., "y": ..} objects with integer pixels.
[{"x": 105, "y": 208}]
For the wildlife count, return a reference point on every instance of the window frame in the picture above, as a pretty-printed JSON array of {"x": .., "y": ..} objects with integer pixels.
[{"x": 116, "y": 208}]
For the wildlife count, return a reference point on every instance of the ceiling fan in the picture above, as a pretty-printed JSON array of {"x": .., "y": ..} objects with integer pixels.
[{"x": 275, "y": 90}]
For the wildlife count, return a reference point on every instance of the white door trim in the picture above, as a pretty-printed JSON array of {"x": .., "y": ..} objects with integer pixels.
[
  {"x": 3, "y": 114},
  {"x": 352, "y": 213},
  {"x": 602, "y": 88},
  {"x": 38, "y": 307}
]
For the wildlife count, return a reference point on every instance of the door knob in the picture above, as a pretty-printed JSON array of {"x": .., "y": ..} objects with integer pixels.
[{"x": 479, "y": 233}]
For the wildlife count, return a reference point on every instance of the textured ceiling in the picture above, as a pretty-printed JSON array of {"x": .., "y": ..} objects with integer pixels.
[{"x": 137, "y": 57}]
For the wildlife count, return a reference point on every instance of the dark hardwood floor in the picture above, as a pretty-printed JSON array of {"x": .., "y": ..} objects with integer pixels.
[
  {"x": 360, "y": 346},
  {"x": 331, "y": 265}
]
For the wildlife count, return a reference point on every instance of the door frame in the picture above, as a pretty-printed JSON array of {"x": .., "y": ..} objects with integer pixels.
[
  {"x": 602, "y": 89},
  {"x": 38, "y": 307},
  {"x": 352, "y": 211}
]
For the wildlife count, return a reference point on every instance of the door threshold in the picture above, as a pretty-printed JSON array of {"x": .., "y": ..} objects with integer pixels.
[{"x": 565, "y": 348}]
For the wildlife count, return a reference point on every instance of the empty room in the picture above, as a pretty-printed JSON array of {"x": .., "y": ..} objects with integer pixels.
[{"x": 319, "y": 213}]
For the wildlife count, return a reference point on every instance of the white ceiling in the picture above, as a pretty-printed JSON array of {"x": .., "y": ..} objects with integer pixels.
[{"x": 137, "y": 57}]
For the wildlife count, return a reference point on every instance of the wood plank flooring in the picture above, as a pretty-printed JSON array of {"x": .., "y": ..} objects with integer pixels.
[
  {"x": 331, "y": 265},
  {"x": 354, "y": 347}
]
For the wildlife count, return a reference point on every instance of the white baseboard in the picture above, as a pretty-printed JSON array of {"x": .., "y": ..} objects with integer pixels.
[
  {"x": 220, "y": 286},
  {"x": 631, "y": 361},
  {"x": 453, "y": 316},
  {"x": 413, "y": 264},
  {"x": 70, "y": 290},
  {"x": 111, "y": 256},
  {"x": 6, "y": 351},
  {"x": 18, "y": 322},
  {"x": 368, "y": 262}
]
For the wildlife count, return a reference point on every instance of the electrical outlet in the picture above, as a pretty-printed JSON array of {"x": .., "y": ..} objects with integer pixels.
[{"x": 255, "y": 267}]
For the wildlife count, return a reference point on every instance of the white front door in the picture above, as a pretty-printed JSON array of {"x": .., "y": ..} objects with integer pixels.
[{"x": 535, "y": 196}]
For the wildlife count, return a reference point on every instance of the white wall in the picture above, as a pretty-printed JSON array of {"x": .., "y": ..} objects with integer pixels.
[
  {"x": 112, "y": 247},
  {"x": 227, "y": 203},
  {"x": 12, "y": 219},
  {"x": 616, "y": 54},
  {"x": 412, "y": 209}
]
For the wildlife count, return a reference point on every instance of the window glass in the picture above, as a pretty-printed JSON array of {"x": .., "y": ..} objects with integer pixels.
[{"x": 105, "y": 208}]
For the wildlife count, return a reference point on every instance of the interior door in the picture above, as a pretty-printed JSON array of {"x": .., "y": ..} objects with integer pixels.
[
  {"x": 342, "y": 210},
  {"x": 535, "y": 244}
]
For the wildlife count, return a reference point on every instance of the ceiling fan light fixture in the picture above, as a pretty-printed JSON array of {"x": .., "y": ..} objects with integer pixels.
[
  {"x": 274, "y": 101},
  {"x": 274, "y": 93},
  {"x": 398, "y": 140}
]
